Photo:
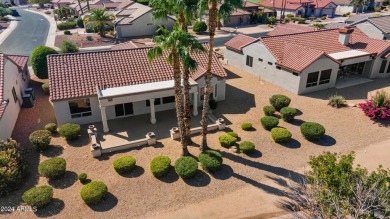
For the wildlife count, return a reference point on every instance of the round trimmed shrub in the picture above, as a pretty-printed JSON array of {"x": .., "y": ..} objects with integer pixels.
[
  {"x": 247, "y": 147},
  {"x": 246, "y": 126},
  {"x": 312, "y": 131},
  {"x": 93, "y": 192},
  {"x": 51, "y": 127},
  {"x": 227, "y": 140},
  {"x": 52, "y": 168},
  {"x": 199, "y": 27},
  {"x": 281, "y": 135},
  {"x": 40, "y": 139},
  {"x": 38, "y": 196},
  {"x": 70, "y": 131},
  {"x": 233, "y": 134},
  {"x": 210, "y": 160},
  {"x": 186, "y": 167},
  {"x": 269, "y": 110},
  {"x": 288, "y": 113},
  {"x": 269, "y": 122},
  {"x": 279, "y": 101},
  {"x": 67, "y": 32},
  {"x": 39, "y": 60},
  {"x": 124, "y": 164},
  {"x": 82, "y": 177},
  {"x": 45, "y": 88},
  {"x": 80, "y": 23},
  {"x": 160, "y": 166}
]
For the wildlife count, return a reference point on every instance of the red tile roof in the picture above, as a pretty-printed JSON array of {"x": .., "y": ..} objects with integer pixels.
[
  {"x": 131, "y": 45},
  {"x": 239, "y": 41},
  {"x": 77, "y": 75},
  {"x": 288, "y": 28},
  {"x": 19, "y": 60},
  {"x": 294, "y": 4},
  {"x": 240, "y": 12}
]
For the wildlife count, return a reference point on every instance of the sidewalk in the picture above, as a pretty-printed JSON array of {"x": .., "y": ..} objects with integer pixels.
[{"x": 9, "y": 30}]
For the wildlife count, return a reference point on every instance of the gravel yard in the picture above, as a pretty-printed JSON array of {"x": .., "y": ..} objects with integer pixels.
[{"x": 140, "y": 195}]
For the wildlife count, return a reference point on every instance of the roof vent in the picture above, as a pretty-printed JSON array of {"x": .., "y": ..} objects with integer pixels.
[{"x": 344, "y": 34}]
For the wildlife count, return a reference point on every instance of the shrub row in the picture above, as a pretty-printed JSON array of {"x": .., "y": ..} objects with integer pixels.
[{"x": 67, "y": 25}]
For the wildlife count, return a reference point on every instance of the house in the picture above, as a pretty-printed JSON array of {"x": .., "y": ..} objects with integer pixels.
[
  {"x": 333, "y": 25},
  {"x": 355, "y": 18},
  {"x": 311, "y": 61},
  {"x": 14, "y": 79},
  {"x": 377, "y": 27},
  {"x": 302, "y": 8},
  {"x": 137, "y": 20},
  {"x": 63, "y": 3},
  {"x": 289, "y": 28},
  {"x": 132, "y": 45},
  {"x": 238, "y": 17},
  {"x": 99, "y": 86},
  {"x": 110, "y": 5}
]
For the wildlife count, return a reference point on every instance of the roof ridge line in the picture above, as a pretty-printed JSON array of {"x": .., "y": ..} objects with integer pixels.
[{"x": 289, "y": 34}]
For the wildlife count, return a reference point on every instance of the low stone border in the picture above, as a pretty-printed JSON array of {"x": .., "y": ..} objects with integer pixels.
[{"x": 219, "y": 124}]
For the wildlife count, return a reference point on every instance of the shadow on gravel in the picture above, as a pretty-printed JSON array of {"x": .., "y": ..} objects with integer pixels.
[
  {"x": 170, "y": 177},
  {"x": 201, "y": 179},
  {"x": 326, "y": 141},
  {"x": 53, "y": 151},
  {"x": 55, "y": 207},
  {"x": 67, "y": 180},
  {"x": 108, "y": 203},
  {"x": 136, "y": 172}
]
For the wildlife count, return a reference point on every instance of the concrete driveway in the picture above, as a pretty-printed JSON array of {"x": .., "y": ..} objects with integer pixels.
[{"x": 31, "y": 31}]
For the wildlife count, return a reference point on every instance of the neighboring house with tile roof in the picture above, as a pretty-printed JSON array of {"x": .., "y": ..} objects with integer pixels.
[
  {"x": 358, "y": 17},
  {"x": 333, "y": 25},
  {"x": 132, "y": 45},
  {"x": 14, "y": 78},
  {"x": 110, "y": 5},
  {"x": 289, "y": 28},
  {"x": 377, "y": 27},
  {"x": 100, "y": 86},
  {"x": 310, "y": 61}
]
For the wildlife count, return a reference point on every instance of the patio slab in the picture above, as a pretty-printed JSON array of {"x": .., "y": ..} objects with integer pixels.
[{"x": 352, "y": 80}]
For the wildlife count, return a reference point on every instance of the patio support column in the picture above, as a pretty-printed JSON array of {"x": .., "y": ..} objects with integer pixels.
[
  {"x": 195, "y": 107},
  {"x": 152, "y": 112},
  {"x": 104, "y": 119}
]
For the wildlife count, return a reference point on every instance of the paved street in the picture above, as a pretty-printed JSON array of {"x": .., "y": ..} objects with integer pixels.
[{"x": 30, "y": 32}]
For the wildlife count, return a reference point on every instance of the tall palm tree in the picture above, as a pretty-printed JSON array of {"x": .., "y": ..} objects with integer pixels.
[
  {"x": 79, "y": 3},
  {"x": 98, "y": 19},
  {"x": 178, "y": 45},
  {"x": 225, "y": 9},
  {"x": 359, "y": 3}
]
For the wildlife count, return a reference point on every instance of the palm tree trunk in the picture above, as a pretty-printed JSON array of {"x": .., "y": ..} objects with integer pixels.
[
  {"x": 88, "y": 5},
  {"x": 78, "y": 1},
  {"x": 212, "y": 25}
]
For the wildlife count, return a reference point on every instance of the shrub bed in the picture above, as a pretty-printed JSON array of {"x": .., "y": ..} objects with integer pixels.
[
  {"x": 93, "y": 192},
  {"x": 45, "y": 88},
  {"x": 281, "y": 135},
  {"x": 40, "y": 139},
  {"x": 269, "y": 122},
  {"x": 227, "y": 140},
  {"x": 312, "y": 131},
  {"x": 38, "y": 196},
  {"x": 210, "y": 160},
  {"x": 199, "y": 27},
  {"x": 246, "y": 126},
  {"x": 160, "y": 166},
  {"x": 378, "y": 107},
  {"x": 269, "y": 110},
  {"x": 233, "y": 134},
  {"x": 82, "y": 177},
  {"x": 51, "y": 127},
  {"x": 279, "y": 101},
  {"x": 247, "y": 147},
  {"x": 66, "y": 25},
  {"x": 52, "y": 168},
  {"x": 288, "y": 114},
  {"x": 337, "y": 101},
  {"x": 70, "y": 131},
  {"x": 186, "y": 167},
  {"x": 124, "y": 164}
]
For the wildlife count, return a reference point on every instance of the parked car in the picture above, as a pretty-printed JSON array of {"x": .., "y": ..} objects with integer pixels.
[{"x": 14, "y": 13}]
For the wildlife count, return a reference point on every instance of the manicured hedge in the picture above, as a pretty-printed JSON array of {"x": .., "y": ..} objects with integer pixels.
[
  {"x": 210, "y": 160},
  {"x": 281, "y": 135},
  {"x": 51, "y": 127},
  {"x": 247, "y": 147},
  {"x": 45, "y": 88},
  {"x": 52, "y": 168},
  {"x": 160, "y": 166},
  {"x": 38, "y": 60},
  {"x": 67, "y": 25},
  {"x": 246, "y": 126},
  {"x": 38, "y": 196},
  {"x": 227, "y": 140},
  {"x": 199, "y": 27},
  {"x": 93, "y": 192},
  {"x": 288, "y": 114},
  {"x": 269, "y": 122},
  {"x": 233, "y": 134},
  {"x": 269, "y": 110},
  {"x": 279, "y": 101},
  {"x": 124, "y": 164},
  {"x": 312, "y": 131},
  {"x": 40, "y": 139},
  {"x": 70, "y": 131},
  {"x": 83, "y": 177},
  {"x": 186, "y": 167}
]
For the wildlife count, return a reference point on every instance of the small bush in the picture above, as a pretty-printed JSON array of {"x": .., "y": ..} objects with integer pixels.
[
  {"x": 186, "y": 167},
  {"x": 124, "y": 164},
  {"x": 68, "y": 46},
  {"x": 40, "y": 139},
  {"x": 199, "y": 27},
  {"x": 247, "y": 147},
  {"x": 80, "y": 23},
  {"x": 45, "y": 88},
  {"x": 269, "y": 110},
  {"x": 66, "y": 25},
  {"x": 39, "y": 60},
  {"x": 289, "y": 15},
  {"x": 160, "y": 166},
  {"x": 378, "y": 107},
  {"x": 281, "y": 135},
  {"x": 67, "y": 32},
  {"x": 70, "y": 131},
  {"x": 323, "y": 18},
  {"x": 233, "y": 134},
  {"x": 82, "y": 177},
  {"x": 227, "y": 140},
  {"x": 269, "y": 122},
  {"x": 279, "y": 101},
  {"x": 246, "y": 126},
  {"x": 52, "y": 168},
  {"x": 89, "y": 38},
  {"x": 377, "y": 9},
  {"x": 337, "y": 101},
  {"x": 47, "y": 12},
  {"x": 51, "y": 127},
  {"x": 93, "y": 192},
  {"x": 210, "y": 160},
  {"x": 288, "y": 113},
  {"x": 312, "y": 131},
  {"x": 38, "y": 196}
]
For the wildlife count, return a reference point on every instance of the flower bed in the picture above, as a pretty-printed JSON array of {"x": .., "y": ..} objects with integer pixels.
[{"x": 378, "y": 107}]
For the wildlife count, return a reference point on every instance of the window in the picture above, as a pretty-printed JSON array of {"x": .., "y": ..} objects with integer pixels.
[
  {"x": 312, "y": 79},
  {"x": 325, "y": 76},
  {"x": 80, "y": 108},
  {"x": 157, "y": 101},
  {"x": 260, "y": 59},
  {"x": 383, "y": 66},
  {"x": 14, "y": 94},
  {"x": 170, "y": 99},
  {"x": 124, "y": 109},
  {"x": 249, "y": 61},
  {"x": 388, "y": 69},
  {"x": 269, "y": 63}
]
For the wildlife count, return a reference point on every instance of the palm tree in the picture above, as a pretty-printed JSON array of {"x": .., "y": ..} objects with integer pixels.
[
  {"x": 79, "y": 3},
  {"x": 178, "y": 46},
  {"x": 98, "y": 19},
  {"x": 359, "y": 3},
  {"x": 224, "y": 11}
]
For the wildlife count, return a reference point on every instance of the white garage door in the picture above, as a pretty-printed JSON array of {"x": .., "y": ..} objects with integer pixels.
[{"x": 327, "y": 11}]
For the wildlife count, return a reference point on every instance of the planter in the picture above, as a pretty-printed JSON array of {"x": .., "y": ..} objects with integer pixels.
[
  {"x": 175, "y": 129},
  {"x": 95, "y": 146},
  {"x": 220, "y": 120},
  {"x": 151, "y": 135},
  {"x": 91, "y": 127}
]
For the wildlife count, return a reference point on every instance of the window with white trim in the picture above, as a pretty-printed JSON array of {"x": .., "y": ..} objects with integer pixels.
[
  {"x": 383, "y": 66},
  {"x": 325, "y": 76},
  {"x": 312, "y": 79},
  {"x": 80, "y": 108},
  {"x": 249, "y": 61}
]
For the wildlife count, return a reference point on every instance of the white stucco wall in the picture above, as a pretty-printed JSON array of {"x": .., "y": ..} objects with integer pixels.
[
  {"x": 345, "y": 8},
  {"x": 143, "y": 26},
  {"x": 376, "y": 68},
  {"x": 370, "y": 30}
]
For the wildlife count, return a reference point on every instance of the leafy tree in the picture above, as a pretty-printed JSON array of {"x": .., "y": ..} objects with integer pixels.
[
  {"x": 39, "y": 60},
  {"x": 4, "y": 12},
  {"x": 359, "y": 3},
  {"x": 98, "y": 19},
  {"x": 39, "y": 2},
  {"x": 68, "y": 46},
  {"x": 3, "y": 5}
]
